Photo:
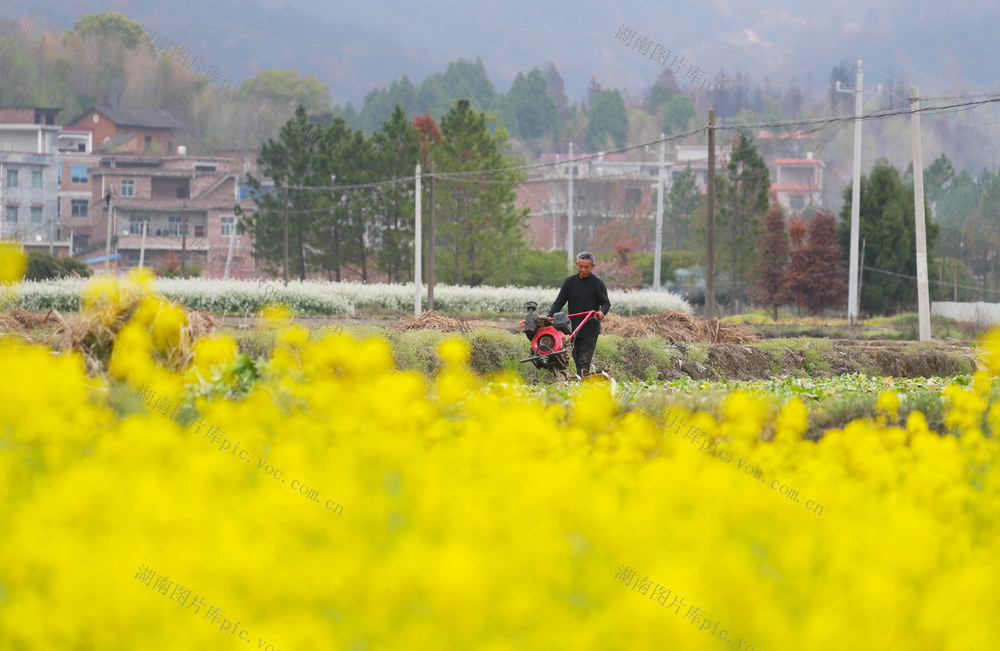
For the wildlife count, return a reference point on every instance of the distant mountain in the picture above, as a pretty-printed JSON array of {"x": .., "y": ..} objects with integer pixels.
[{"x": 355, "y": 47}]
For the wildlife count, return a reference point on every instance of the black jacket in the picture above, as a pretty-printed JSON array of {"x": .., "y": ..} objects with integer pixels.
[{"x": 583, "y": 294}]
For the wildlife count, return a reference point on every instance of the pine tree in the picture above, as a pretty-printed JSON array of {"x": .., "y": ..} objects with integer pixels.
[{"x": 742, "y": 199}]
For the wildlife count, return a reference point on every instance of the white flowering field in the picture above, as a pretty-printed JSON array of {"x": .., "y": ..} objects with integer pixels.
[{"x": 339, "y": 299}]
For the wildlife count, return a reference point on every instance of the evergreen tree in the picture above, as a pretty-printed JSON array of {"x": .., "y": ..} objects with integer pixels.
[
  {"x": 678, "y": 115},
  {"x": 608, "y": 125},
  {"x": 742, "y": 193},
  {"x": 480, "y": 228},
  {"x": 887, "y": 225},
  {"x": 555, "y": 83},
  {"x": 396, "y": 152},
  {"x": 663, "y": 90},
  {"x": 295, "y": 157},
  {"x": 682, "y": 206},
  {"x": 534, "y": 105}
]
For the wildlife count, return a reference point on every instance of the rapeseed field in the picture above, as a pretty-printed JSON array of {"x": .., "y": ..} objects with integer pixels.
[{"x": 137, "y": 510}]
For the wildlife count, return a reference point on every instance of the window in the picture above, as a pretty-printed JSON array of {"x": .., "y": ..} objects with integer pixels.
[
  {"x": 81, "y": 147},
  {"x": 227, "y": 225},
  {"x": 11, "y": 179},
  {"x": 174, "y": 225},
  {"x": 135, "y": 223},
  {"x": 10, "y": 214},
  {"x": 796, "y": 202},
  {"x": 78, "y": 207},
  {"x": 633, "y": 195},
  {"x": 199, "y": 230},
  {"x": 128, "y": 188},
  {"x": 78, "y": 173},
  {"x": 59, "y": 173},
  {"x": 58, "y": 209},
  {"x": 36, "y": 179},
  {"x": 149, "y": 141},
  {"x": 204, "y": 168},
  {"x": 36, "y": 214}
]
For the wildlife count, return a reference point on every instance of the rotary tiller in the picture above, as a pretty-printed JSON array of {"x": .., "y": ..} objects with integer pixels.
[{"x": 551, "y": 338}]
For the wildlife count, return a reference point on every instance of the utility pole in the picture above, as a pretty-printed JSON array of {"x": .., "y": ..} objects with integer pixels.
[
  {"x": 52, "y": 233},
  {"x": 710, "y": 263},
  {"x": 184, "y": 233},
  {"x": 107, "y": 242},
  {"x": 284, "y": 213},
  {"x": 229, "y": 256},
  {"x": 658, "y": 248},
  {"x": 954, "y": 279},
  {"x": 923, "y": 303},
  {"x": 852, "y": 293},
  {"x": 430, "y": 246},
  {"x": 861, "y": 271},
  {"x": 142, "y": 243},
  {"x": 417, "y": 245},
  {"x": 569, "y": 213}
]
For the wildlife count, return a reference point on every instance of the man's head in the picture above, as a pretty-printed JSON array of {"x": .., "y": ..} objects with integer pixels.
[{"x": 585, "y": 263}]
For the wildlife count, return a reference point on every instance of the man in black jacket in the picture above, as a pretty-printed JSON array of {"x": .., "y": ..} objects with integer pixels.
[{"x": 584, "y": 291}]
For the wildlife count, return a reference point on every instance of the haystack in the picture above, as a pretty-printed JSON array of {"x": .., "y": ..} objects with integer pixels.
[
  {"x": 677, "y": 326},
  {"x": 431, "y": 320}
]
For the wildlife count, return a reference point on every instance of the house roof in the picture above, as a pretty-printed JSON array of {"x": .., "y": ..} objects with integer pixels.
[
  {"x": 126, "y": 117},
  {"x": 115, "y": 142}
]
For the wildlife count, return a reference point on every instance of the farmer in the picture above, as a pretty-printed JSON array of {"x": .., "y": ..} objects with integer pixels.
[{"x": 584, "y": 291}]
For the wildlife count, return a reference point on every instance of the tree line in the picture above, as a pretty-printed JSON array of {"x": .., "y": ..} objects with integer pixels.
[{"x": 349, "y": 198}]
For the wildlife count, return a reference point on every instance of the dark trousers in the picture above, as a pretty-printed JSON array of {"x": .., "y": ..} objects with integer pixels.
[{"x": 583, "y": 352}]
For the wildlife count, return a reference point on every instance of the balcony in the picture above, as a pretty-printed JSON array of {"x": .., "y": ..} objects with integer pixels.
[{"x": 161, "y": 243}]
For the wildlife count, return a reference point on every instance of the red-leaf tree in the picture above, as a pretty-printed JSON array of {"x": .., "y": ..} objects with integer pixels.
[
  {"x": 827, "y": 284},
  {"x": 430, "y": 134},
  {"x": 771, "y": 287},
  {"x": 617, "y": 237},
  {"x": 816, "y": 278},
  {"x": 799, "y": 267}
]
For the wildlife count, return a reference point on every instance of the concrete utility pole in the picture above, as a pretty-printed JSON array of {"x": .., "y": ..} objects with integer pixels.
[
  {"x": 417, "y": 244},
  {"x": 184, "y": 234},
  {"x": 107, "y": 243},
  {"x": 569, "y": 214},
  {"x": 658, "y": 247},
  {"x": 284, "y": 213},
  {"x": 853, "y": 297},
  {"x": 430, "y": 246},
  {"x": 142, "y": 243},
  {"x": 710, "y": 264},
  {"x": 229, "y": 256},
  {"x": 923, "y": 302}
]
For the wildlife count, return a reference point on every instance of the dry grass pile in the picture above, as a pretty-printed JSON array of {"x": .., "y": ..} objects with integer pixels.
[
  {"x": 431, "y": 320},
  {"x": 20, "y": 320},
  {"x": 92, "y": 336},
  {"x": 677, "y": 326}
]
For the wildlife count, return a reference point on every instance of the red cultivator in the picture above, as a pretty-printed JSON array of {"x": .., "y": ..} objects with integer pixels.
[{"x": 551, "y": 339}]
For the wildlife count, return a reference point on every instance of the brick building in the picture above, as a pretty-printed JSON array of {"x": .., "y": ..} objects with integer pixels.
[{"x": 187, "y": 204}]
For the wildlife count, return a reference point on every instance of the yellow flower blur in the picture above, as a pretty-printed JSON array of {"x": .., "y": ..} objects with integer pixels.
[{"x": 343, "y": 503}]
